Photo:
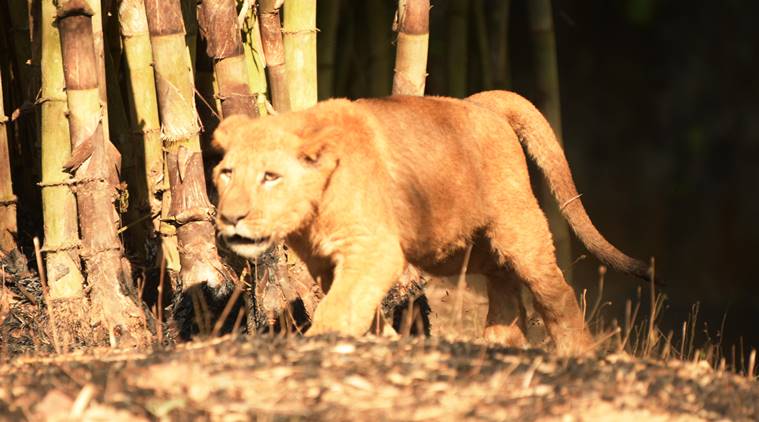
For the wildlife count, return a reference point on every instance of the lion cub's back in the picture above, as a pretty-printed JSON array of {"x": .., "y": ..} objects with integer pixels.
[{"x": 443, "y": 153}]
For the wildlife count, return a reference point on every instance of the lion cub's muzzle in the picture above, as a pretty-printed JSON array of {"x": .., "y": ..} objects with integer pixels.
[{"x": 245, "y": 246}]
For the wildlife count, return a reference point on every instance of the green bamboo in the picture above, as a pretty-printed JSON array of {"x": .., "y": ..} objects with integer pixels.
[
  {"x": 458, "y": 28},
  {"x": 547, "y": 80},
  {"x": 327, "y": 17},
  {"x": 145, "y": 124},
  {"x": 190, "y": 17},
  {"x": 58, "y": 203},
  {"x": 254, "y": 59},
  {"x": 300, "y": 52},
  {"x": 413, "y": 26}
]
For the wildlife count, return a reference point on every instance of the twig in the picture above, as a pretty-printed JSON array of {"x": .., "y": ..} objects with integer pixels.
[
  {"x": 461, "y": 283},
  {"x": 751, "y": 364},
  {"x": 227, "y": 309},
  {"x": 46, "y": 294},
  {"x": 159, "y": 299},
  {"x": 82, "y": 401}
]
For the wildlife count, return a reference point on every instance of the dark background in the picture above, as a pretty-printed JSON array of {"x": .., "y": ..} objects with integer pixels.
[{"x": 660, "y": 112}]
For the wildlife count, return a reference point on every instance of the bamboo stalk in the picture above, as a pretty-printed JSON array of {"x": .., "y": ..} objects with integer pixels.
[
  {"x": 500, "y": 45},
  {"x": 378, "y": 30},
  {"x": 457, "y": 47},
  {"x": 413, "y": 26},
  {"x": 274, "y": 53},
  {"x": 346, "y": 54},
  {"x": 99, "y": 42},
  {"x": 190, "y": 18},
  {"x": 300, "y": 52},
  {"x": 94, "y": 166},
  {"x": 483, "y": 44},
  {"x": 327, "y": 16},
  {"x": 548, "y": 101},
  {"x": 218, "y": 23},
  {"x": 8, "y": 226},
  {"x": 255, "y": 60},
  {"x": 190, "y": 209},
  {"x": 18, "y": 12},
  {"x": 146, "y": 129},
  {"x": 58, "y": 202}
]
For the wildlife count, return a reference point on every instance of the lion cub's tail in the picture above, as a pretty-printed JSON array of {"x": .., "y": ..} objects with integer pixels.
[{"x": 536, "y": 135}]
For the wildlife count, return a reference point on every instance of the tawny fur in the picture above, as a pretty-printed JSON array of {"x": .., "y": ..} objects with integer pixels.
[{"x": 361, "y": 189}]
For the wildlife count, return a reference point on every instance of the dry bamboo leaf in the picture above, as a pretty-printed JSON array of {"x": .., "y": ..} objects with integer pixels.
[{"x": 79, "y": 155}]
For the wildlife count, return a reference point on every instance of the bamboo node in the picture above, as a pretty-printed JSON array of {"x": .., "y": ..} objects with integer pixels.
[
  {"x": 61, "y": 247},
  {"x": 90, "y": 253},
  {"x": 300, "y": 31},
  {"x": 72, "y": 182},
  {"x": 9, "y": 200},
  {"x": 141, "y": 132},
  {"x": 192, "y": 215},
  {"x": 51, "y": 99}
]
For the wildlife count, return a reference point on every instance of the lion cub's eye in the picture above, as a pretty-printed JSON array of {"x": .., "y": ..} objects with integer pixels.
[
  {"x": 225, "y": 174},
  {"x": 270, "y": 177}
]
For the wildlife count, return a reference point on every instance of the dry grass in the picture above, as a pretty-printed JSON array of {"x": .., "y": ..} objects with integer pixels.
[{"x": 639, "y": 371}]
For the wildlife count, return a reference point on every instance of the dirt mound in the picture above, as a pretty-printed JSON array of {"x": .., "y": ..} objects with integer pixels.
[{"x": 369, "y": 378}]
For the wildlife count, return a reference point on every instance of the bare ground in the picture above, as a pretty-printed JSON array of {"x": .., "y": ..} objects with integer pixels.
[{"x": 372, "y": 378}]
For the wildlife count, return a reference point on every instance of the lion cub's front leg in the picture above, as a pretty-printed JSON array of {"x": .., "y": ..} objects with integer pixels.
[{"x": 363, "y": 275}]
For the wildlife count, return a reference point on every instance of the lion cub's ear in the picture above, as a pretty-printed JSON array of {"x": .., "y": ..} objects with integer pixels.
[
  {"x": 225, "y": 134},
  {"x": 318, "y": 144}
]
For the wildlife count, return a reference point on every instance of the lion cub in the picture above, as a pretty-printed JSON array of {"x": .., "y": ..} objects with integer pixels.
[{"x": 361, "y": 189}]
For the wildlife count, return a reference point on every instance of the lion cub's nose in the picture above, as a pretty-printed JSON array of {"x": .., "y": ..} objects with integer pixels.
[{"x": 232, "y": 216}]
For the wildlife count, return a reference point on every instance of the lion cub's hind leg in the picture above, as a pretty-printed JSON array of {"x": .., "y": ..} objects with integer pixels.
[
  {"x": 507, "y": 316},
  {"x": 362, "y": 278},
  {"x": 523, "y": 242}
]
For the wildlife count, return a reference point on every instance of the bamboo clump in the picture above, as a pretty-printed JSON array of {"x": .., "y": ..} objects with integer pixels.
[
  {"x": 145, "y": 124},
  {"x": 94, "y": 163},
  {"x": 190, "y": 210}
]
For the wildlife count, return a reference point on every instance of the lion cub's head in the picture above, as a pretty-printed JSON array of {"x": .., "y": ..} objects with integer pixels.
[{"x": 271, "y": 179}]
